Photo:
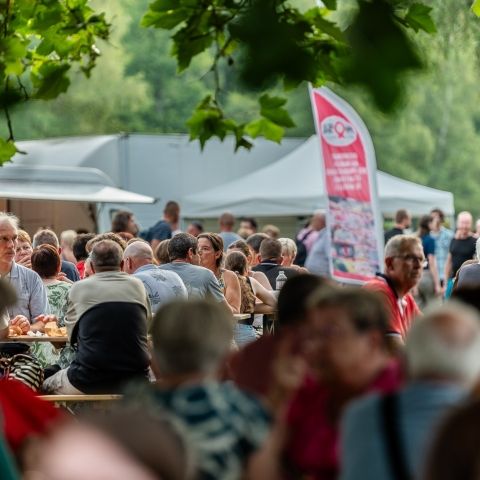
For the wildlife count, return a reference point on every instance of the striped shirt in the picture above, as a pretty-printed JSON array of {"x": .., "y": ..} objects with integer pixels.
[{"x": 442, "y": 244}]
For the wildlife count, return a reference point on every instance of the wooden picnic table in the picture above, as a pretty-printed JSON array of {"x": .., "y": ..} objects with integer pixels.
[{"x": 35, "y": 338}]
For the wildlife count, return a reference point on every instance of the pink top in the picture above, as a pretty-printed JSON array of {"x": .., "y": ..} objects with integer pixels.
[
  {"x": 313, "y": 447},
  {"x": 311, "y": 237}
]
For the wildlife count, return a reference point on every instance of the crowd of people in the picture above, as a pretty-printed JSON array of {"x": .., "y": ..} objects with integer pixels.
[{"x": 237, "y": 356}]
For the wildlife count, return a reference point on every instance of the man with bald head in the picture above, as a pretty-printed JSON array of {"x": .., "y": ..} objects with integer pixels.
[
  {"x": 107, "y": 319},
  {"x": 162, "y": 286},
  {"x": 462, "y": 247},
  {"x": 443, "y": 363}
]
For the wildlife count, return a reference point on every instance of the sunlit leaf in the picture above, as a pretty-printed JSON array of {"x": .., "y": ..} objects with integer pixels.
[
  {"x": 7, "y": 150},
  {"x": 476, "y": 7},
  {"x": 419, "y": 18}
]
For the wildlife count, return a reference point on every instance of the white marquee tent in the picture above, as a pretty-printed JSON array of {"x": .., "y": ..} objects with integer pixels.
[
  {"x": 130, "y": 171},
  {"x": 293, "y": 186}
]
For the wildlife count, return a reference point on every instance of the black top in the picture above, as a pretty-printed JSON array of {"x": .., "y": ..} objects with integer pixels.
[
  {"x": 271, "y": 270},
  {"x": 70, "y": 270},
  {"x": 392, "y": 233},
  {"x": 112, "y": 347},
  {"x": 461, "y": 249}
]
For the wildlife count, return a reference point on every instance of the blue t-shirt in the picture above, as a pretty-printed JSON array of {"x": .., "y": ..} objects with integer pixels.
[
  {"x": 428, "y": 244},
  {"x": 160, "y": 231},
  {"x": 70, "y": 270},
  {"x": 421, "y": 406}
]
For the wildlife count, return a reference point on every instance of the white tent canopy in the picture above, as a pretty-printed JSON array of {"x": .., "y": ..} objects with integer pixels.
[
  {"x": 75, "y": 184},
  {"x": 293, "y": 186}
]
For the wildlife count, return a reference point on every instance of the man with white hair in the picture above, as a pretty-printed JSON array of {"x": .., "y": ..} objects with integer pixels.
[
  {"x": 32, "y": 303},
  {"x": 387, "y": 436},
  {"x": 403, "y": 262},
  {"x": 162, "y": 286}
]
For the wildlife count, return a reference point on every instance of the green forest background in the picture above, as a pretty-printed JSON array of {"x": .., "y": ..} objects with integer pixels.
[{"x": 433, "y": 137}]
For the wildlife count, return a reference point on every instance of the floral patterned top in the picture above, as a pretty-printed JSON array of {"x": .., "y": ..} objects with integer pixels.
[
  {"x": 57, "y": 294},
  {"x": 47, "y": 353}
]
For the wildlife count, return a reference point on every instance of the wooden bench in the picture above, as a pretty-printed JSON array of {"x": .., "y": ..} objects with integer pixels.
[{"x": 80, "y": 398}]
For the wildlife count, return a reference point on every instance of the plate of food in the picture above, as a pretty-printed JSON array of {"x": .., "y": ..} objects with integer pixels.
[{"x": 53, "y": 330}]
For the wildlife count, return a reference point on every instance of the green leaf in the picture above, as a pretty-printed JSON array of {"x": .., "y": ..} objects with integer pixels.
[
  {"x": 271, "y": 109},
  {"x": 418, "y": 17},
  {"x": 315, "y": 16},
  {"x": 268, "y": 102},
  {"x": 330, "y": 4},
  {"x": 380, "y": 54},
  {"x": 242, "y": 142},
  {"x": 164, "y": 5},
  {"x": 186, "y": 46},
  {"x": 52, "y": 80},
  {"x": 166, "y": 20},
  {"x": 47, "y": 17},
  {"x": 476, "y": 8},
  {"x": 265, "y": 128},
  {"x": 7, "y": 150},
  {"x": 12, "y": 50}
]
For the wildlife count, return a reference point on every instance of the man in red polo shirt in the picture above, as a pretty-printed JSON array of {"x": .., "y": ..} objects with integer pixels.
[{"x": 404, "y": 262}]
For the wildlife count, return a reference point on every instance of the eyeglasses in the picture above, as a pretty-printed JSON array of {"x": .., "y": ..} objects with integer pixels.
[{"x": 410, "y": 258}]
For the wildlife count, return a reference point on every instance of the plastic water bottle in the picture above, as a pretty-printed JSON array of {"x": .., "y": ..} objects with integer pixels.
[{"x": 280, "y": 280}]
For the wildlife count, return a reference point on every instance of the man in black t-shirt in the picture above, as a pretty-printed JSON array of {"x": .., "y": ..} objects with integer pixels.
[
  {"x": 271, "y": 261},
  {"x": 462, "y": 246},
  {"x": 403, "y": 220}
]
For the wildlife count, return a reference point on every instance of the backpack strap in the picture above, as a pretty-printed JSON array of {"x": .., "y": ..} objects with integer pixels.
[
  {"x": 305, "y": 236},
  {"x": 393, "y": 441}
]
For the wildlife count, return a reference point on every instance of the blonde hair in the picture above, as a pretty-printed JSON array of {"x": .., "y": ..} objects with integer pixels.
[
  {"x": 67, "y": 237},
  {"x": 289, "y": 248},
  {"x": 23, "y": 236},
  {"x": 271, "y": 230}
]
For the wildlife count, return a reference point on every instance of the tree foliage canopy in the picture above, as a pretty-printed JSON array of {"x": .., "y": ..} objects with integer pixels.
[
  {"x": 264, "y": 42},
  {"x": 268, "y": 42},
  {"x": 39, "y": 43}
]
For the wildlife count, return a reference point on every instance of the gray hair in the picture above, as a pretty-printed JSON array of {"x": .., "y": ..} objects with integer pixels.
[
  {"x": 45, "y": 237},
  {"x": 433, "y": 350},
  {"x": 288, "y": 247},
  {"x": 191, "y": 336},
  {"x": 6, "y": 217},
  {"x": 399, "y": 243},
  {"x": 139, "y": 249},
  {"x": 477, "y": 249},
  {"x": 106, "y": 254}
]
